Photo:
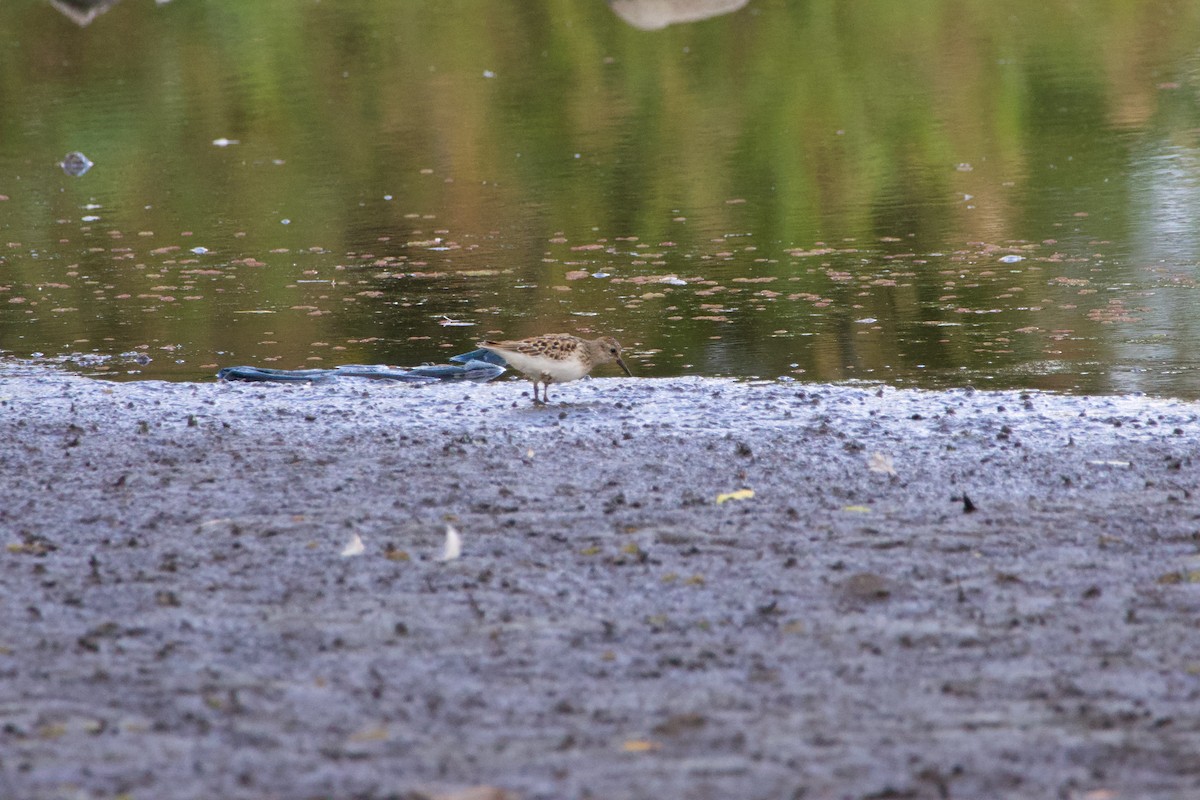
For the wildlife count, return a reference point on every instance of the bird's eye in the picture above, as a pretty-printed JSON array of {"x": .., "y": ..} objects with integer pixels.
[{"x": 613, "y": 351}]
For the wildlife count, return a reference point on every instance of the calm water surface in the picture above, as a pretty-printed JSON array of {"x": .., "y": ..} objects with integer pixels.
[{"x": 999, "y": 194}]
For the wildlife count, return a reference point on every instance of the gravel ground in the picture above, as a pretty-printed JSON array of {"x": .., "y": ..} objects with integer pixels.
[{"x": 928, "y": 594}]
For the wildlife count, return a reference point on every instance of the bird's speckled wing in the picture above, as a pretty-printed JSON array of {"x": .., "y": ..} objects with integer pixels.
[{"x": 553, "y": 345}]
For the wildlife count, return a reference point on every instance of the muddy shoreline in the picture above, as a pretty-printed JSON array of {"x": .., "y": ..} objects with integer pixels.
[{"x": 180, "y": 621}]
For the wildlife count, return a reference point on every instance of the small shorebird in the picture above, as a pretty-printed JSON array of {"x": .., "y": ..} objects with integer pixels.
[{"x": 557, "y": 358}]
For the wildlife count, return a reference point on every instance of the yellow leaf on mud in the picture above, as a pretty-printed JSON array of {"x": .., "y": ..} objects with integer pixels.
[
  {"x": 740, "y": 494},
  {"x": 375, "y": 733},
  {"x": 857, "y": 509},
  {"x": 1180, "y": 576},
  {"x": 52, "y": 730},
  {"x": 31, "y": 548}
]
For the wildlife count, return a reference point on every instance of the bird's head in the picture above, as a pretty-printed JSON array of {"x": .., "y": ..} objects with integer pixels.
[{"x": 611, "y": 351}]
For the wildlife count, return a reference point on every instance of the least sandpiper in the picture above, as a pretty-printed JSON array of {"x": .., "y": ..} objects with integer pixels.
[{"x": 557, "y": 358}]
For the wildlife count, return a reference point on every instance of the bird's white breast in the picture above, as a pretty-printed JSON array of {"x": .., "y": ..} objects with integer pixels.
[{"x": 559, "y": 370}]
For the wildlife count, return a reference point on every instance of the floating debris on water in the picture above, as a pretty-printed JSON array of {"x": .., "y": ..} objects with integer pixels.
[{"x": 75, "y": 164}]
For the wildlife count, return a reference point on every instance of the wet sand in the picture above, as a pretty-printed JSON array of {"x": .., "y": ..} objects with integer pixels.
[{"x": 180, "y": 622}]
